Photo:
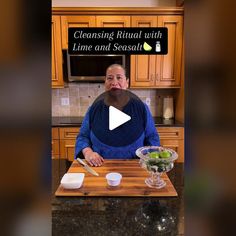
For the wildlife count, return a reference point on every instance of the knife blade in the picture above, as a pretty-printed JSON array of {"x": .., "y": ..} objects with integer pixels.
[{"x": 86, "y": 167}]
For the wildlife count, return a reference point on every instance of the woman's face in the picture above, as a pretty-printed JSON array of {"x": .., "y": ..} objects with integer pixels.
[{"x": 115, "y": 78}]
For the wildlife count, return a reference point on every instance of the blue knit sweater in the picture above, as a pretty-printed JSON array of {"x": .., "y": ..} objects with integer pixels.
[{"x": 122, "y": 142}]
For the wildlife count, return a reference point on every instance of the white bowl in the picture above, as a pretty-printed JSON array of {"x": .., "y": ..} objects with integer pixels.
[
  {"x": 113, "y": 179},
  {"x": 72, "y": 180}
]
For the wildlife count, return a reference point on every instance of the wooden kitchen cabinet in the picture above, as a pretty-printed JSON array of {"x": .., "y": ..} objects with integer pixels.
[
  {"x": 63, "y": 141},
  {"x": 57, "y": 73},
  {"x": 67, "y": 142},
  {"x": 74, "y": 21},
  {"x": 146, "y": 71},
  {"x": 173, "y": 137},
  {"x": 67, "y": 149},
  {"x": 55, "y": 143},
  {"x": 159, "y": 71},
  {"x": 113, "y": 21},
  {"x": 168, "y": 67},
  {"x": 143, "y": 67},
  {"x": 90, "y": 21}
]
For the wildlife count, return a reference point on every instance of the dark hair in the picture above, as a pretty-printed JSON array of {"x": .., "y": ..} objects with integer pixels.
[{"x": 117, "y": 65}]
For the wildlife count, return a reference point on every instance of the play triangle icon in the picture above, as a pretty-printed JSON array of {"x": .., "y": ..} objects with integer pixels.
[{"x": 117, "y": 118}]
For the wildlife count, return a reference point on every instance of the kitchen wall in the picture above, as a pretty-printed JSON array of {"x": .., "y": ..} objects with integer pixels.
[
  {"x": 114, "y": 3},
  {"x": 82, "y": 95}
]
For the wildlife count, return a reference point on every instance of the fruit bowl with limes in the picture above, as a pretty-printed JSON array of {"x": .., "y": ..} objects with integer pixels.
[{"x": 156, "y": 160}]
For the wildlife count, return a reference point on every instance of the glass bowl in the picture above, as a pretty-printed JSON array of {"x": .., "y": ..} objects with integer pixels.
[{"x": 156, "y": 160}]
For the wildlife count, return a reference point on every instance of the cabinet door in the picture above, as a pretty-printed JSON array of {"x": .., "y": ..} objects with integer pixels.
[
  {"x": 55, "y": 149},
  {"x": 170, "y": 132},
  {"x": 67, "y": 142},
  {"x": 57, "y": 74},
  {"x": 55, "y": 143},
  {"x": 176, "y": 145},
  {"x": 173, "y": 137},
  {"x": 142, "y": 68},
  {"x": 168, "y": 67},
  {"x": 69, "y": 133},
  {"x": 113, "y": 21},
  {"x": 67, "y": 149},
  {"x": 55, "y": 133},
  {"x": 74, "y": 21}
]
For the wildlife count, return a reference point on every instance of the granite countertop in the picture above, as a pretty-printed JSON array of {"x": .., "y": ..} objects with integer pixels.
[
  {"x": 117, "y": 215},
  {"x": 66, "y": 121}
]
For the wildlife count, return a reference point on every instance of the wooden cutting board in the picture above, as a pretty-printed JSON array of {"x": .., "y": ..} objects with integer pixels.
[{"x": 132, "y": 183}]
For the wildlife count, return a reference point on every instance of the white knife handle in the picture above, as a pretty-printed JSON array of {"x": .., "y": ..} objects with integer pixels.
[{"x": 81, "y": 162}]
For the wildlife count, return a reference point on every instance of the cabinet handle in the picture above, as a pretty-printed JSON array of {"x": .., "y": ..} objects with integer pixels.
[{"x": 156, "y": 76}]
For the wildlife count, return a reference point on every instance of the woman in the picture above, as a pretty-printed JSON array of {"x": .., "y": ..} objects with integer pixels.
[{"x": 97, "y": 142}]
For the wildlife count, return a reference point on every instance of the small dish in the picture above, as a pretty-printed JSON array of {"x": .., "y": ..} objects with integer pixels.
[
  {"x": 72, "y": 180},
  {"x": 113, "y": 178}
]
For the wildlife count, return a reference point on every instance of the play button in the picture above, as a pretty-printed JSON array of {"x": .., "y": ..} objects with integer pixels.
[{"x": 117, "y": 118}]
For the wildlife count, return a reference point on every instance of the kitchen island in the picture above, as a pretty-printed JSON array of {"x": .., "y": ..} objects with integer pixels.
[{"x": 117, "y": 215}]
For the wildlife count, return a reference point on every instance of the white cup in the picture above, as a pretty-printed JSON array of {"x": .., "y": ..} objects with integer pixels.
[{"x": 113, "y": 179}]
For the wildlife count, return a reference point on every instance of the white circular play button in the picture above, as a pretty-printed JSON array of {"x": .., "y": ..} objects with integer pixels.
[{"x": 117, "y": 118}]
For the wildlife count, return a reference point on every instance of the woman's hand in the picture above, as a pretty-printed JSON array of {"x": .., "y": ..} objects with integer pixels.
[{"x": 93, "y": 158}]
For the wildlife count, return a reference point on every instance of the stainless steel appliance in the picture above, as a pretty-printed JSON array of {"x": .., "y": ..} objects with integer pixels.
[{"x": 91, "y": 67}]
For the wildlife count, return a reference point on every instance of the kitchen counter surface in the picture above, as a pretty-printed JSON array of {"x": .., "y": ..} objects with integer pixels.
[
  {"x": 115, "y": 216},
  {"x": 77, "y": 121}
]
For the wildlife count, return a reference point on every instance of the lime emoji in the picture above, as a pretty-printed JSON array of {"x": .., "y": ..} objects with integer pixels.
[
  {"x": 147, "y": 47},
  {"x": 154, "y": 155},
  {"x": 164, "y": 154}
]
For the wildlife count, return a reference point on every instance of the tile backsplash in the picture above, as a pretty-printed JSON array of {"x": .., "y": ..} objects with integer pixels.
[{"x": 82, "y": 95}]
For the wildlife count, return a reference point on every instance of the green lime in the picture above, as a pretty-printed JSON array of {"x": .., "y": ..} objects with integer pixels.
[
  {"x": 164, "y": 154},
  {"x": 154, "y": 155}
]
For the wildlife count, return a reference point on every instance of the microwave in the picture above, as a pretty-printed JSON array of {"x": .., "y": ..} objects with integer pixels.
[{"x": 91, "y": 68}]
